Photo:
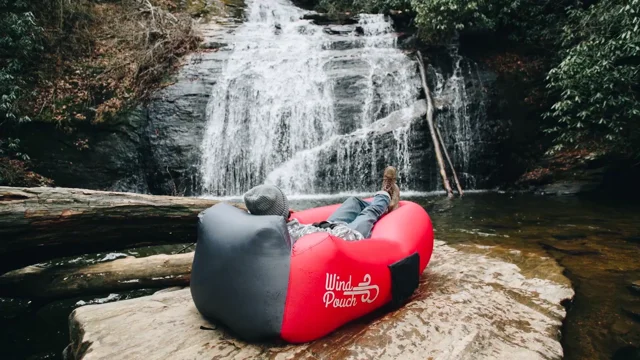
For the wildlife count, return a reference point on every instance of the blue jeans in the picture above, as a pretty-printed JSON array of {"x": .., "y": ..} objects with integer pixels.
[{"x": 361, "y": 215}]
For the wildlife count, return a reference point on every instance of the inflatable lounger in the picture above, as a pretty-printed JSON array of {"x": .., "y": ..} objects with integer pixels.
[{"x": 247, "y": 276}]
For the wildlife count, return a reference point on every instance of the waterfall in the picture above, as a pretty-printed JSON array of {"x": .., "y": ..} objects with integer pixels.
[
  {"x": 290, "y": 86},
  {"x": 272, "y": 101},
  {"x": 460, "y": 123},
  {"x": 322, "y": 109}
]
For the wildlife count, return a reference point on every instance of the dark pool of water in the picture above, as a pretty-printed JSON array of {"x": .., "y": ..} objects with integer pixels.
[{"x": 597, "y": 241}]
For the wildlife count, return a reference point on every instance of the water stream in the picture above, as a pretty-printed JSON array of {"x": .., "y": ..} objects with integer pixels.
[
  {"x": 323, "y": 109},
  {"x": 461, "y": 124}
]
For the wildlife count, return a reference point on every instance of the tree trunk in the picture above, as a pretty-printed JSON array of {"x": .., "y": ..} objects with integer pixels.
[
  {"x": 446, "y": 154},
  {"x": 38, "y": 224},
  {"x": 434, "y": 138},
  {"x": 113, "y": 276}
]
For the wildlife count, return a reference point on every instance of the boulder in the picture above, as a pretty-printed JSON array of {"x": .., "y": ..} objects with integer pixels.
[
  {"x": 176, "y": 117},
  {"x": 341, "y": 29},
  {"x": 112, "y": 159},
  {"x": 568, "y": 187},
  {"x": 622, "y": 327},
  {"x": 329, "y": 19},
  {"x": 487, "y": 309}
]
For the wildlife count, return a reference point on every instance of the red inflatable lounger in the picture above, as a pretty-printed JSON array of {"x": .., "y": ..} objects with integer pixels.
[
  {"x": 247, "y": 275},
  {"x": 333, "y": 281}
]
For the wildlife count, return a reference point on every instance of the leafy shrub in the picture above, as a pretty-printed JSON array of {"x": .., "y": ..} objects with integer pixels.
[
  {"x": 14, "y": 166},
  {"x": 597, "y": 80},
  {"x": 20, "y": 43},
  {"x": 83, "y": 60},
  {"x": 15, "y": 173},
  {"x": 366, "y": 6},
  {"x": 592, "y": 47}
]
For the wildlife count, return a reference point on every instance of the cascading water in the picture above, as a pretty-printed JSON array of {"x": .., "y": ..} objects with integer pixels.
[
  {"x": 318, "y": 109},
  {"x": 273, "y": 100},
  {"x": 460, "y": 124},
  {"x": 289, "y": 87}
]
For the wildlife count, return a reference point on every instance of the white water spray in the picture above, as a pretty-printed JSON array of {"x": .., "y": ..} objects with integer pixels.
[
  {"x": 318, "y": 109},
  {"x": 276, "y": 98}
]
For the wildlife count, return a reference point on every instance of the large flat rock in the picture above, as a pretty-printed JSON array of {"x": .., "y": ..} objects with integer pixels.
[{"x": 473, "y": 303}]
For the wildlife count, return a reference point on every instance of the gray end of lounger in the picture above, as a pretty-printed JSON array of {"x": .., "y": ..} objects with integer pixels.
[{"x": 240, "y": 270}]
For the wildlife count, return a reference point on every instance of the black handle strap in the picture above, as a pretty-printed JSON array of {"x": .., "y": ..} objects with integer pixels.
[{"x": 405, "y": 278}]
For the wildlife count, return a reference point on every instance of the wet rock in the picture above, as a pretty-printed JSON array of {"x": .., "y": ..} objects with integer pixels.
[
  {"x": 212, "y": 45},
  {"x": 633, "y": 238},
  {"x": 488, "y": 309},
  {"x": 112, "y": 159},
  {"x": 340, "y": 29},
  {"x": 177, "y": 117},
  {"x": 633, "y": 310},
  {"x": 170, "y": 289},
  {"x": 328, "y": 19},
  {"x": 621, "y": 327},
  {"x": 569, "y": 236},
  {"x": 635, "y": 287},
  {"x": 629, "y": 352},
  {"x": 568, "y": 187},
  {"x": 553, "y": 179},
  {"x": 569, "y": 249}
]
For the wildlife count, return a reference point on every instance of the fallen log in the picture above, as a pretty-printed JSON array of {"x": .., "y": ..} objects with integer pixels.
[
  {"x": 38, "y": 224},
  {"x": 157, "y": 271}
]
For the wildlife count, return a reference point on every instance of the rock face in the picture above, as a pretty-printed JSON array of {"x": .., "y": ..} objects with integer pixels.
[
  {"x": 113, "y": 160},
  {"x": 176, "y": 117},
  {"x": 151, "y": 149},
  {"x": 488, "y": 309}
]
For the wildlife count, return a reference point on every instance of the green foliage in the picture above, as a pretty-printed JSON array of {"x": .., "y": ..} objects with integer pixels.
[
  {"x": 594, "y": 45},
  {"x": 597, "y": 81},
  {"x": 529, "y": 21},
  {"x": 20, "y": 43},
  {"x": 14, "y": 166},
  {"x": 16, "y": 173},
  {"x": 80, "y": 60},
  {"x": 438, "y": 19},
  {"x": 11, "y": 147},
  {"x": 364, "y": 6}
]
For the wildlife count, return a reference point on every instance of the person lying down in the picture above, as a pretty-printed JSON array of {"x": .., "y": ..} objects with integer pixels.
[{"x": 352, "y": 221}]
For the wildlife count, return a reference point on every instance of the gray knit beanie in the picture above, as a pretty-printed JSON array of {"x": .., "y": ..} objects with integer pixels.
[{"x": 267, "y": 200}]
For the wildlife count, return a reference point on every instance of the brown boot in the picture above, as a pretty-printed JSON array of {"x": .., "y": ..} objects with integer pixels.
[{"x": 389, "y": 185}]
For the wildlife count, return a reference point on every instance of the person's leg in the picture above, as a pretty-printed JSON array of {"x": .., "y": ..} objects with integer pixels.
[
  {"x": 364, "y": 222},
  {"x": 349, "y": 210}
]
